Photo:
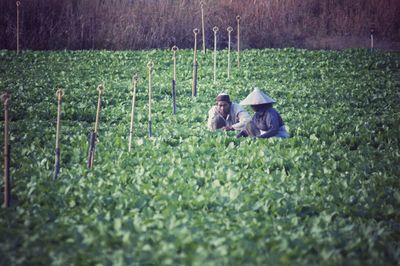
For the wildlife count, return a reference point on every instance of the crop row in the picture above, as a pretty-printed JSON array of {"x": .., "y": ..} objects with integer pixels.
[{"x": 327, "y": 195}]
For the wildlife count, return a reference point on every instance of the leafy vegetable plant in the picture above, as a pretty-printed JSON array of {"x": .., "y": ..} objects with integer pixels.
[{"x": 327, "y": 195}]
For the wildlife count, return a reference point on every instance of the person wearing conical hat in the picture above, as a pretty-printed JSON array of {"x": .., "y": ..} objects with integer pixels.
[
  {"x": 266, "y": 122},
  {"x": 226, "y": 115}
]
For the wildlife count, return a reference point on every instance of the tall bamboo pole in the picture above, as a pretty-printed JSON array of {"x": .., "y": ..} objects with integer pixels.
[
  {"x": 372, "y": 31},
  {"x": 93, "y": 135},
  {"x": 194, "y": 80},
  {"x": 202, "y": 26},
  {"x": 174, "y": 50},
  {"x": 229, "y": 29},
  {"x": 59, "y": 94},
  {"x": 215, "y": 30},
  {"x": 238, "y": 40},
  {"x": 100, "y": 89},
  {"x": 18, "y": 3},
  {"x": 150, "y": 66},
  {"x": 134, "y": 84},
  {"x": 7, "y": 192}
]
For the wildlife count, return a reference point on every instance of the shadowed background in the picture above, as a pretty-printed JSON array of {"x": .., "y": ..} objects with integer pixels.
[{"x": 139, "y": 24}]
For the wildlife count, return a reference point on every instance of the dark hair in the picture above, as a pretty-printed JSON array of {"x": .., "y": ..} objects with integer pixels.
[{"x": 223, "y": 98}]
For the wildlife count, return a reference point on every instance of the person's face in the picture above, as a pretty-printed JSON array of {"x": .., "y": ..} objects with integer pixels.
[{"x": 223, "y": 107}]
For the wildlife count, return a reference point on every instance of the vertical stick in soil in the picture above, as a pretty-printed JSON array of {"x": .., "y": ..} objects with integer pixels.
[
  {"x": 215, "y": 30},
  {"x": 202, "y": 26},
  {"x": 150, "y": 66},
  {"x": 238, "y": 40},
  {"x": 134, "y": 84},
  {"x": 59, "y": 94},
  {"x": 7, "y": 181},
  {"x": 18, "y": 3},
  {"x": 229, "y": 29},
  {"x": 194, "y": 82},
  {"x": 372, "y": 31},
  {"x": 93, "y": 135},
  {"x": 174, "y": 49}
]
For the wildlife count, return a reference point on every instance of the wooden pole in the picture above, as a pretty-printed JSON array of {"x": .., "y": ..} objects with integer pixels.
[
  {"x": 372, "y": 31},
  {"x": 174, "y": 49},
  {"x": 93, "y": 135},
  {"x": 150, "y": 66},
  {"x": 229, "y": 29},
  {"x": 18, "y": 3},
  {"x": 372, "y": 41},
  {"x": 134, "y": 84},
  {"x": 215, "y": 30},
  {"x": 238, "y": 40},
  {"x": 7, "y": 191},
  {"x": 202, "y": 26},
  {"x": 100, "y": 89},
  {"x": 194, "y": 81},
  {"x": 59, "y": 94}
]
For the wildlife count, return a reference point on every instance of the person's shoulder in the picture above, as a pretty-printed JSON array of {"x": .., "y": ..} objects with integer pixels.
[
  {"x": 212, "y": 109},
  {"x": 272, "y": 110},
  {"x": 237, "y": 106}
]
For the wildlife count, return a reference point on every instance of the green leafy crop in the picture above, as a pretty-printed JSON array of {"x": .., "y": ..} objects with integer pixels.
[{"x": 328, "y": 195}]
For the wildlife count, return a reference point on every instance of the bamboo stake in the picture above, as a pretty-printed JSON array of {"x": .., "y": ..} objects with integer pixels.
[
  {"x": 93, "y": 135},
  {"x": 229, "y": 29},
  {"x": 194, "y": 82},
  {"x": 134, "y": 83},
  {"x": 372, "y": 31},
  {"x": 372, "y": 41},
  {"x": 100, "y": 89},
  {"x": 59, "y": 94},
  {"x": 238, "y": 40},
  {"x": 18, "y": 3},
  {"x": 174, "y": 49},
  {"x": 202, "y": 26},
  {"x": 150, "y": 66},
  {"x": 215, "y": 30},
  {"x": 7, "y": 192}
]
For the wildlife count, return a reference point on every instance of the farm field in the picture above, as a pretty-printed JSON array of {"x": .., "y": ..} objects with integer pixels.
[{"x": 328, "y": 195}]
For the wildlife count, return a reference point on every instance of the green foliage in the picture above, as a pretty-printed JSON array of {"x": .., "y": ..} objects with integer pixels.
[{"x": 327, "y": 195}]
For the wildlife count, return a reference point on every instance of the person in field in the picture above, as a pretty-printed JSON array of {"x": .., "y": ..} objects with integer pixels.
[
  {"x": 266, "y": 122},
  {"x": 226, "y": 115}
]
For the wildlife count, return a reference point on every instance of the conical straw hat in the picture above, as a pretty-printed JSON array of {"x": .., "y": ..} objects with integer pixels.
[{"x": 257, "y": 97}]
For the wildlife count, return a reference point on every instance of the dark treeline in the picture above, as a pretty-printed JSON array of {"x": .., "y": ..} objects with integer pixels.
[{"x": 139, "y": 24}]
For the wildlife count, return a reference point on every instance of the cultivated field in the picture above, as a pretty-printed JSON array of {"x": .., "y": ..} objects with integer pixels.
[{"x": 330, "y": 194}]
